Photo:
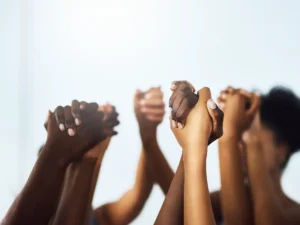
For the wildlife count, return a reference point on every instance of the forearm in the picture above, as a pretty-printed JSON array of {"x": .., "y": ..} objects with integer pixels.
[
  {"x": 171, "y": 212},
  {"x": 128, "y": 207},
  {"x": 36, "y": 203},
  {"x": 160, "y": 168},
  {"x": 197, "y": 204},
  {"x": 267, "y": 210},
  {"x": 234, "y": 195},
  {"x": 75, "y": 206}
]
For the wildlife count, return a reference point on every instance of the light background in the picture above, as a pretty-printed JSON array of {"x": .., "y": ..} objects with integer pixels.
[{"x": 97, "y": 50}]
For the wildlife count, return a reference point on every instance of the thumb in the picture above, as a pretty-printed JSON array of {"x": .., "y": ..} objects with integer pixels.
[
  {"x": 138, "y": 95},
  {"x": 204, "y": 95}
]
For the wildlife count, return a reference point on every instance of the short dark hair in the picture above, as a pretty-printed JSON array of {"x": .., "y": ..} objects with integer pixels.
[{"x": 280, "y": 111}]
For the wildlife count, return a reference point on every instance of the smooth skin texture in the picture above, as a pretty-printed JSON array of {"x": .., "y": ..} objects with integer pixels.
[
  {"x": 80, "y": 181},
  {"x": 264, "y": 157},
  {"x": 37, "y": 202},
  {"x": 270, "y": 205},
  {"x": 183, "y": 99},
  {"x": 234, "y": 193},
  {"x": 193, "y": 139},
  {"x": 153, "y": 168}
]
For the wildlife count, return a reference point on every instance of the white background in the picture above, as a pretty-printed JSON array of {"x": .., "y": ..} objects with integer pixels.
[{"x": 97, "y": 50}]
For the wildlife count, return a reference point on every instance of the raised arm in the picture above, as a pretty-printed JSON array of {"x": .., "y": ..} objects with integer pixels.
[
  {"x": 75, "y": 203},
  {"x": 194, "y": 138},
  {"x": 268, "y": 208},
  {"x": 183, "y": 99},
  {"x": 128, "y": 207},
  {"x": 37, "y": 201},
  {"x": 234, "y": 193},
  {"x": 149, "y": 110}
]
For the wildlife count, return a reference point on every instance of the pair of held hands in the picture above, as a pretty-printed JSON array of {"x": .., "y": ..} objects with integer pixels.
[
  {"x": 202, "y": 119},
  {"x": 92, "y": 124},
  {"x": 80, "y": 129}
]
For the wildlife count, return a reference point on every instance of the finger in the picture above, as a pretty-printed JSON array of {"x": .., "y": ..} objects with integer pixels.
[
  {"x": 204, "y": 95},
  {"x": 229, "y": 89},
  {"x": 69, "y": 121},
  {"x": 154, "y": 94},
  {"x": 155, "y": 102},
  {"x": 49, "y": 114},
  {"x": 91, "y": 108},
  {"x": 173, "y": 123},
  {"x": 223, "y": 95},
  {"x": 155, "y": 118},
  {"x": 109, "y": 132},
  {"x": 83, "y": 105},
  {"x": 176, "y": 105},
  {"x": 113, "y": 116},
  {"x": 76, "y": 112},
  {"x": 112, "y": 123},
  {"x": 182, "y": 113},
  {"x": 217, "y": 117},
  {"x": 219, "y": 99},
  {"x": 60, "y": 117},
  {"x": 149, "y": 110},
  {"x": 222, "y": 106},
  {"x": 138, "y": 94},
  {"x": 176, "y": 84}
]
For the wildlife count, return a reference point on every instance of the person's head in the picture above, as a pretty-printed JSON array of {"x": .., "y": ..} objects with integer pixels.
[{"x": 280, "y": 120}]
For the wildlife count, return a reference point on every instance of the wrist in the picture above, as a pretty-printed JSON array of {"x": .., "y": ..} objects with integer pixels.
[
  {"x": 231, "y": 133},
  {"x": 148, "y": 134},
  {"x": 195, "y": 152},
  {"x": 49, "y": 156}
]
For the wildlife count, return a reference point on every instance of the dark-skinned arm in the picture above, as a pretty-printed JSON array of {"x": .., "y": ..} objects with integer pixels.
[
  {"x": 40, "y": 193},
  {"x": 36, "y": 204},
  {"x": 172, "y": 209}
]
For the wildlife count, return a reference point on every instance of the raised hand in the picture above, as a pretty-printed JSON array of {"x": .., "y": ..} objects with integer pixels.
[
  {"x": 149, "y": 109},
  {"x": 183, "y": 100},
  {"x": 239, "y": 107},
  {"x": 72, "y": 131},
  {"x": 110, "y": 121}
]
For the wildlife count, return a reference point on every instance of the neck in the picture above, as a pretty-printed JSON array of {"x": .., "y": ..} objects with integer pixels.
[{"x": 276, "y": 178}]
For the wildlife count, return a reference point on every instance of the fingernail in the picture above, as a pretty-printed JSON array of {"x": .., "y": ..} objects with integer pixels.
[
  {"x": 174, "y": 124},
  {"x": 180, "y": 126},
  {"x": 81, "y": 107},
  {"x": 71, "y": 132},
  {"x": 77, "y": 121},
  {"x": 61, "y": 127},
  {"x": 211, "y": 104}
]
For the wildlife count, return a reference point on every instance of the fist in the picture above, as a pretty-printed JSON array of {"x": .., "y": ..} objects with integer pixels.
[
  {"x": 149, "y": 108},
  {"x": 182, "y": 102}
]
